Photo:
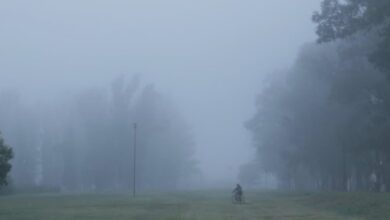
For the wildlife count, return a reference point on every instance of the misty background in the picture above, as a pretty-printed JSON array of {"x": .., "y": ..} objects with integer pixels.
[{"x": 209, "y": 58}]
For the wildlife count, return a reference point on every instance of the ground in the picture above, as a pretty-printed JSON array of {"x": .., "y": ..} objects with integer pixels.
[{"x": 197, "y": 206}]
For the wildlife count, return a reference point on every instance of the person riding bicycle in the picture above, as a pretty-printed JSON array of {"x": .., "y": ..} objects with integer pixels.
[{"x": 238, "y": 193}]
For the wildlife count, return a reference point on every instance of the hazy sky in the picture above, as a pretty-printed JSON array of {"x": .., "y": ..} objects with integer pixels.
[{"x": 208, "y": 56}]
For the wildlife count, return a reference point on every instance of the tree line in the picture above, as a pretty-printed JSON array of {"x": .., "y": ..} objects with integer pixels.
[
  {"x": 85, "y": 142},
  {"x": 324, "y": 123}
]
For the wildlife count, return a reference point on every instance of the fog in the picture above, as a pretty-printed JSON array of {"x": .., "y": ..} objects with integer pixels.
[{"x": 209, "y": 58}]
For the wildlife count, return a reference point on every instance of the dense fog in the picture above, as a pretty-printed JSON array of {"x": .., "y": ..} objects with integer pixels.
[
  {"x": 76, "y": 75},
  {"x": 85, "y": 143}
]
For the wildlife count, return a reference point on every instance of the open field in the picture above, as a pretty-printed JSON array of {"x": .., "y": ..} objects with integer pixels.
[{"x": 196, "y": 205}]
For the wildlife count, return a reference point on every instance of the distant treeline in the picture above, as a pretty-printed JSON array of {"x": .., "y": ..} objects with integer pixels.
[
  {"x": 324, "y": 124},
  {"x": 85, "y": 142}
]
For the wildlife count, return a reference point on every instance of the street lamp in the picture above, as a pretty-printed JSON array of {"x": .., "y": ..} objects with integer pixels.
[{"x": 134, "y": 158}]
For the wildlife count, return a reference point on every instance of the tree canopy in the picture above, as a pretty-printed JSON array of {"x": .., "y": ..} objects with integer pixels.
[{"x": 341, "y": 19}]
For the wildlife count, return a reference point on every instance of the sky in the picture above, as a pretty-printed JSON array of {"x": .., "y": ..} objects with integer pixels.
[{"x": 210, "y": 57}]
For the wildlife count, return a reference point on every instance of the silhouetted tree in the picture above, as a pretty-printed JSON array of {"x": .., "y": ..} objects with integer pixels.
[
  {"x": 6, "y": 155},
  {"x": 341, "y": 19}
]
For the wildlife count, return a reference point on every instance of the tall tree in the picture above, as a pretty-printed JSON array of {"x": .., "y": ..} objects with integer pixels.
[
  {"x": 6, "y": 155},
  {"x": 165, "y": 144},
  {"x": 18, "y": 123},
  {"x": 341, "y": 19}
]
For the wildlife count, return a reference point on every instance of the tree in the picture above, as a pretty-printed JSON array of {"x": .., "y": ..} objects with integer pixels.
[
  {"x": 6, "y": 155},
  {"x": 166, "y": 147},
  {"x": 322, "y": 124},
  {"x": 341, "y": 19},
  {"x": 18, "y": 122}
]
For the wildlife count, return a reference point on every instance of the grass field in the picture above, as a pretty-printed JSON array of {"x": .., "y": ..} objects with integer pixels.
[{"x": 196, "y": 205}]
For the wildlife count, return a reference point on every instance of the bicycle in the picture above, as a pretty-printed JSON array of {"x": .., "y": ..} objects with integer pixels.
[{"x": 238, "y": 199}]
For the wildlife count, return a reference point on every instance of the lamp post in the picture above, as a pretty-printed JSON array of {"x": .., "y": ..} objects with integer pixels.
[{"x": 134, "y": 158}]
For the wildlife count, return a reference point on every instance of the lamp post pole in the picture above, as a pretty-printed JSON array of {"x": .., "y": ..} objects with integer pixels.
[{"x": 134, "y": 158}]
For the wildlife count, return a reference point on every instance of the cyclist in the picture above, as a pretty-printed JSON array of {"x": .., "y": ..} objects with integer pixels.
[{"x": 238, "y": 193}]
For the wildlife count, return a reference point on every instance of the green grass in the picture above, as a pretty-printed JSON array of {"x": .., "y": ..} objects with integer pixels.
[{"x": 196, "y": 205}]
